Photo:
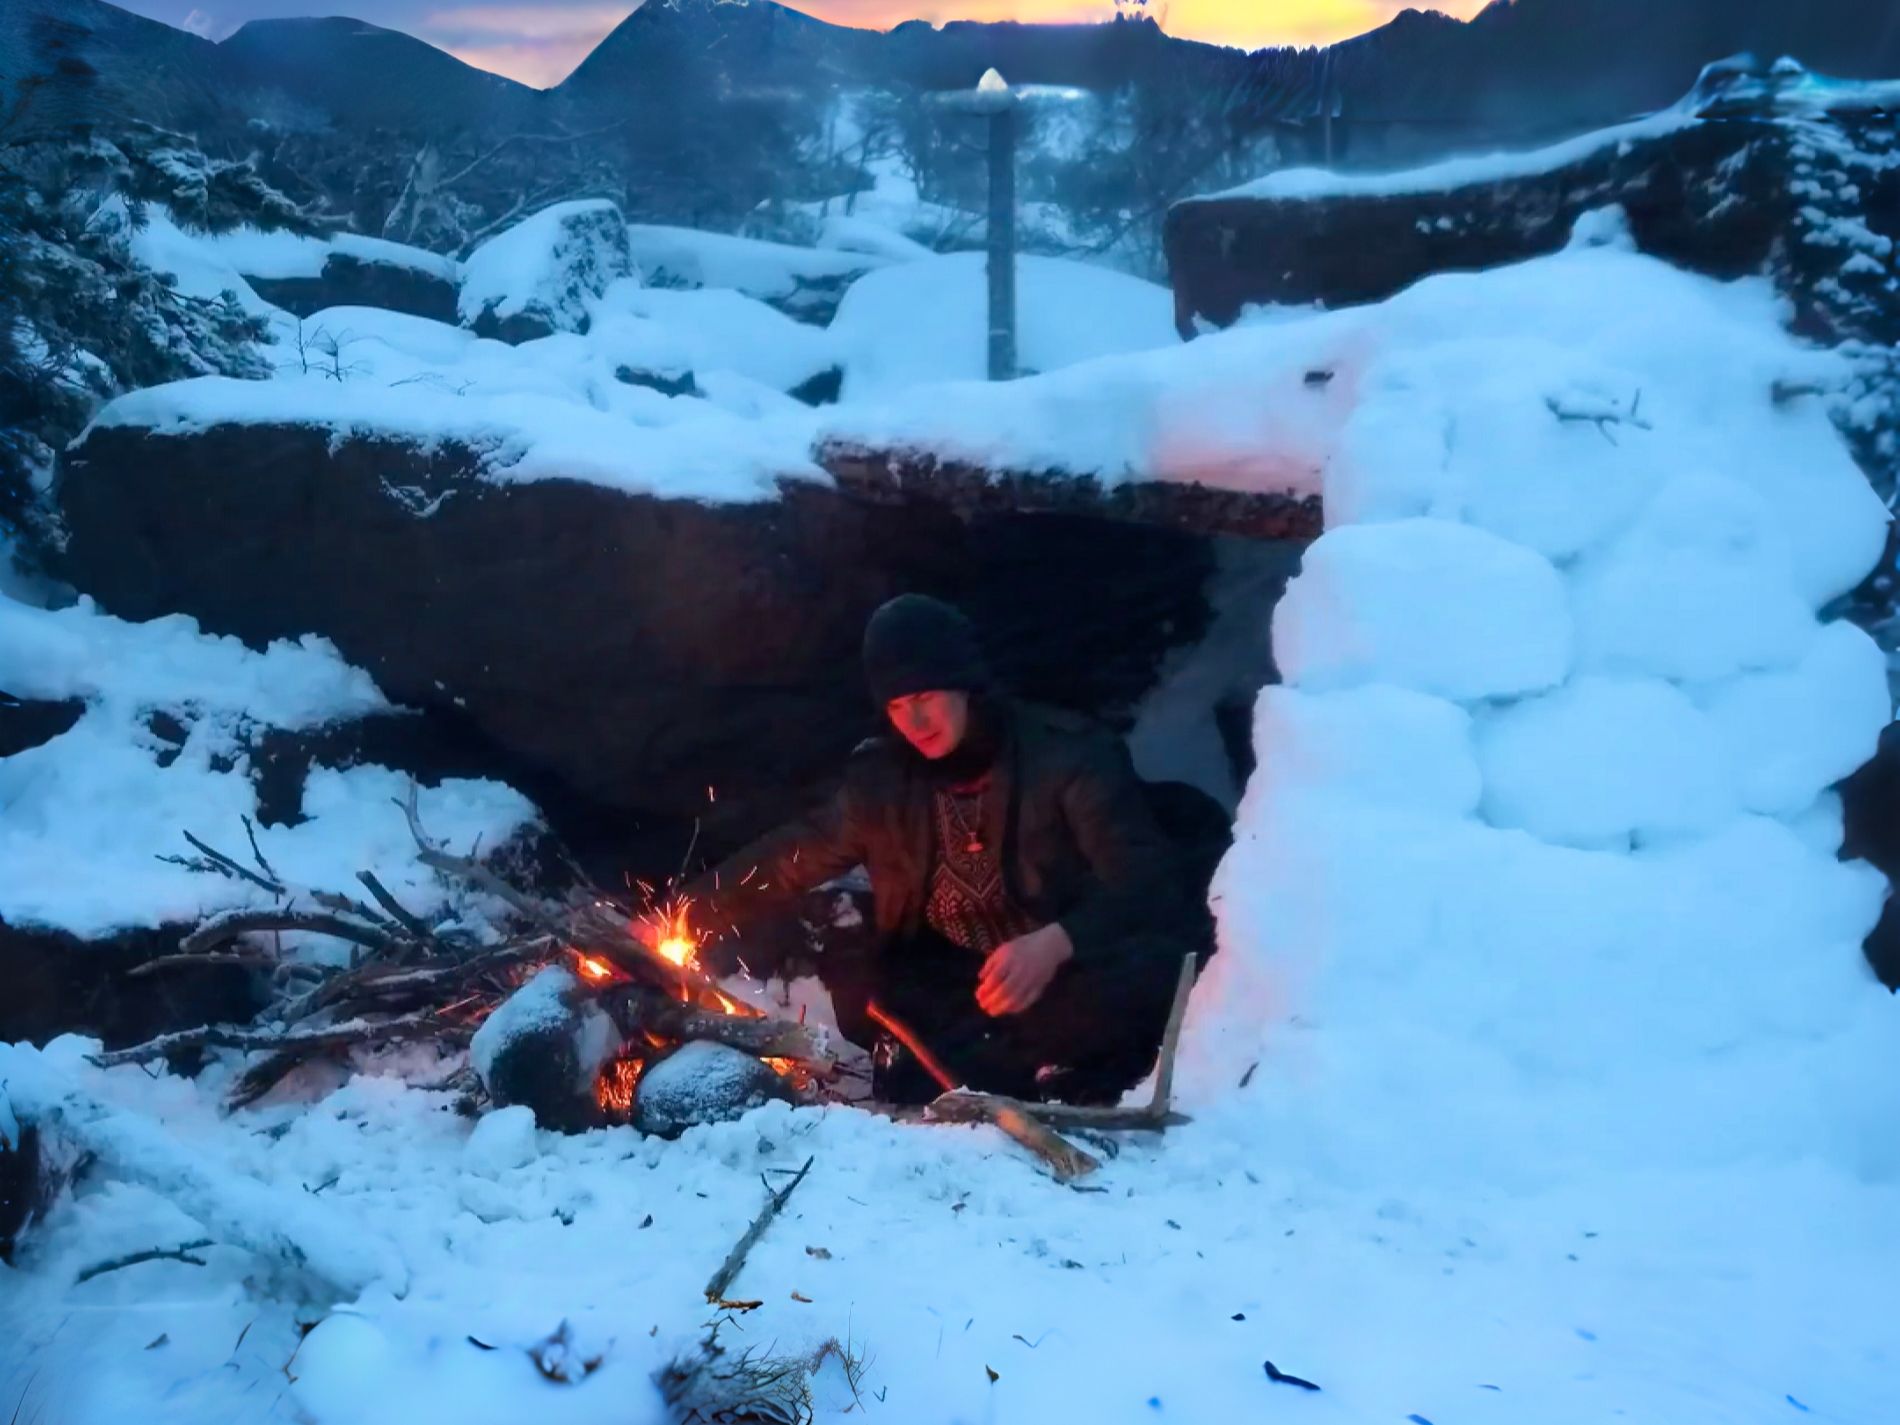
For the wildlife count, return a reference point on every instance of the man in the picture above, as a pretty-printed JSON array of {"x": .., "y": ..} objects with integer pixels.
[{"x": 1031, "y": 916}]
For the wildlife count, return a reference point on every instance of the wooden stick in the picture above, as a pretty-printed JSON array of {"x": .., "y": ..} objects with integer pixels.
[
  {"x": 396, "y": 909},
  {"x": 222, "y": 928},
  {"x": 1064, "y": 1159},
  {"x": 223, "y": 1036},
  {"x": 904, "y": 1035},
  {"x": 180, "y": 1253},
  {"x": 640, "y": 1008},
  {"x": 735, "y": 1259},
  {"x": 1171, "y": 1040},
  {"x": 253, "y": 959}
]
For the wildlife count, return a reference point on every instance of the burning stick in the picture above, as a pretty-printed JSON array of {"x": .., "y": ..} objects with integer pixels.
[{"x": 958, "y": 1105}]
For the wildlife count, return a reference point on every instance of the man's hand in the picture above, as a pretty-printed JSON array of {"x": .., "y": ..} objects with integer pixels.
[{"x": 1018, "y": 971}]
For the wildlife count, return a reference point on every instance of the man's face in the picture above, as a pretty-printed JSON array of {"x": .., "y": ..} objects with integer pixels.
[{"x": 933, "y": 722}]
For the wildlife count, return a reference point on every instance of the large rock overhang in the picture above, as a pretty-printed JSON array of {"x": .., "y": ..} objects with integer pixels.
[
  {"x": 1725, "y": 186},
  {"x": 641, "y": 663}
]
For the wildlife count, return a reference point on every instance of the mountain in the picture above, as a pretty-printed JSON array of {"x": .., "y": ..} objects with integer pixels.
[
  {"x": 362, "y": 75},
  {"x": 76, "y": 61}
]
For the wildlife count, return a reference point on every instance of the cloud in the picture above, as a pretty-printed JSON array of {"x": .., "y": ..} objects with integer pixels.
[
  {"x": 207, "y": 26},
  {"x": 536, "y": 44}
]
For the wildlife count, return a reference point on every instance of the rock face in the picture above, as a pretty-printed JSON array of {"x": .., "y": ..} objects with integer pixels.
[
  {"x": 1774, "y": 172},
  {"x": 58, "y": 984},
  {"x": 351, "y": 281},
  {"x": 535, "y": 278},
  {"x": 628, "y": 651}
]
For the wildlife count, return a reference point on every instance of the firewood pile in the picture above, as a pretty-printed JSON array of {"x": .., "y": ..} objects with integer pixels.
[{"x": 582, "y": 973}]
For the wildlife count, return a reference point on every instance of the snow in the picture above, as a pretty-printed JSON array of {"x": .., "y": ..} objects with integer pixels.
[
  {"x": 714, "y": 330},
  {"x": 1540, "y": 1077},
  {"x": 768, "y": 271},
  {"x": 110, "y": 795},
  {"x": 547, "y": 265},
  {"x": 278, "y": 254},
  {"x": 1424, "y": 604},
  {"x": 1466, "y": 171},
  {"x": 197, "y": 269},
  {"x": 1639, "y": 761},
  {"x": 927, "y": 320},
  {"x": 676, "y": 449}
]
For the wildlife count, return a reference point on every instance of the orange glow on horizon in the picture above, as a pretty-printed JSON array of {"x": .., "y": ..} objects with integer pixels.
[{"x": 541, "y": 44}]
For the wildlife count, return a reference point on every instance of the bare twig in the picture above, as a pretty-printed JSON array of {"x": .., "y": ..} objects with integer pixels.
[
  {"x": 735, "y": 1259},
  {"x": 403, "y": 917},
  {"x": 220, "y": 929},
  {"x": 253, "y": 959},
  {"x": 224, "y": 1036},
  {"x": 257, "y": 852},
  {"x": 181, "y": 1253}
]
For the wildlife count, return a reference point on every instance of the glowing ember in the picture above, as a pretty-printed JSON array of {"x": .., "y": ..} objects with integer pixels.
[
  {"x": 594, "y": 969},
  {"x": 613, "y": 1090},
  {"x": 677, "y": 948}
]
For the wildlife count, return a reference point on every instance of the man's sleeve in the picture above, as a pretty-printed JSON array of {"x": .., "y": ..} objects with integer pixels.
[
  {"x": 1136, "y": 879},
  {"x": 767, "y": 877}
]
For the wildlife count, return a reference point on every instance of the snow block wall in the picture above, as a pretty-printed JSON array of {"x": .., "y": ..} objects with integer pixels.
[{"x": 1538, "y": 871}]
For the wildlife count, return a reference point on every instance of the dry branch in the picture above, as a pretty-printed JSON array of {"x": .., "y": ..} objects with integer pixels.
[
  {"x": 735, "y": 1259},
  {"x": 224, "y": 928},
  {"x": 181, "y": 1253},
  {"x": 224, "y": 1036}
]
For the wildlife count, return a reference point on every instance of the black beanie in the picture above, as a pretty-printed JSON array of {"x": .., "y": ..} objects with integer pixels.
[{"x": 917, "y": 644}]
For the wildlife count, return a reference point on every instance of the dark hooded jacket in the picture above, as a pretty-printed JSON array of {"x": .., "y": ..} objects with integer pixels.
[{"x": 1078, "y": 842}]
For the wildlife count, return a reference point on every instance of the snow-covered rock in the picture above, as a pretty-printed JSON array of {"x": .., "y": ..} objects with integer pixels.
[
  {"x": 802, "y": 282},
  {"x": 543, "y": 1048},
  {"x": 537, "y": 276},
  {"x": 927, "y": 320},
  {"x": 702, "y": 1082}
]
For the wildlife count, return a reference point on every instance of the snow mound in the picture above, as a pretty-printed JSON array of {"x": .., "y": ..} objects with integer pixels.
[
  {"x": 111, "y": 795},
  {"x": 773, "y": 272},
  {"x": 546, "y": 267},
  {"x": 719, "y": 330},
  {"x": 1563, "y": 498},
  {"x": 927, "y": 320},
  {"x": 278, "y": 254}
]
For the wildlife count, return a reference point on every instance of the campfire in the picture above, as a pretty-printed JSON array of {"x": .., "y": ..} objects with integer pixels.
[{"x": 573, "y": 1012}]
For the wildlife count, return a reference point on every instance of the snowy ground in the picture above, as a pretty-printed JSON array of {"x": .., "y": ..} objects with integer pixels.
[{"x": 1539, "y": 1079}]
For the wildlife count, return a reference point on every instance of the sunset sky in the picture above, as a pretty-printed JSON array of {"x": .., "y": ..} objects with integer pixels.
[{"x": 538, "y": 43}]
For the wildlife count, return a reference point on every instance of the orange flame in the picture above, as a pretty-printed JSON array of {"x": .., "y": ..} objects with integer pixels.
[
  {"x": 613, "y": 1090},
  {"x": 675, "y": 941},
  {"x": 595, "y": 969}
]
